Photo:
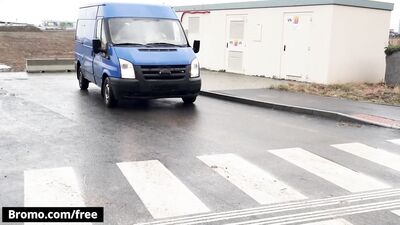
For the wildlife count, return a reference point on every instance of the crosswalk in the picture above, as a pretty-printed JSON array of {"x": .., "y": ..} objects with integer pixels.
[{"x": 171, "y": 201}]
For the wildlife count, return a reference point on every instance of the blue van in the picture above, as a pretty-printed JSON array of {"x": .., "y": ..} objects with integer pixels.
[{"x": 135, "y": 51}]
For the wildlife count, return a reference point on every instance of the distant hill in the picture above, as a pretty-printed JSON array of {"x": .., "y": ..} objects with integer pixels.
[{"x": 28, "y": 28}]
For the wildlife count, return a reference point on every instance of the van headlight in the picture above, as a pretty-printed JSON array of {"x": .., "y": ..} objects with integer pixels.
[
  {"x": 195, "y": 68},
  {"x": 127, "y": 70}
]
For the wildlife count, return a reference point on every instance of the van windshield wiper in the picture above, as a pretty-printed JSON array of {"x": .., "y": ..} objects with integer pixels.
[
  {"x": 125, "y": 44},
  {"x": 164, "y": 43}
]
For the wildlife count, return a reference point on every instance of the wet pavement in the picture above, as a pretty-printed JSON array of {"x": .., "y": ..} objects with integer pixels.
[{"x": 141, "y": 158}]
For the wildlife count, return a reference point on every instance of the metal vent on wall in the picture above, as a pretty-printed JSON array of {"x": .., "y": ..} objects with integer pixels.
[{"x": 235, "y": 61}]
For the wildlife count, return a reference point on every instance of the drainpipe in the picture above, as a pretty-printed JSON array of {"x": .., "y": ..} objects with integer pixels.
[{"x": 193, "y": 12}]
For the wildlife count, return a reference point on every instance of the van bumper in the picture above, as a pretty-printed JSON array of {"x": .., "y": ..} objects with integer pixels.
[{"x": 137, "y": 89}]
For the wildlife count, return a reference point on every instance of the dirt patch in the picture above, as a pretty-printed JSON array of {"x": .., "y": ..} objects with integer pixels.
[
  {"x": 16, "y": 47},
  {"x": 394, "y": 41},
  {"x": 376, "y": 93}
]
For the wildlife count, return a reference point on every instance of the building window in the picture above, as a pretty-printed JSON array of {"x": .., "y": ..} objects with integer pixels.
[{"x": 237, "y": 30}]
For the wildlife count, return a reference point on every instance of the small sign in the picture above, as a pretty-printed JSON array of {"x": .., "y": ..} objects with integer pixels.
[
  {"x": 294, "y": 20},
  {"x": 236, "y": 43}
]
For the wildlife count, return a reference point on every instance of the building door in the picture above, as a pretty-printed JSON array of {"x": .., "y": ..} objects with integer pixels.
[
  {"x": 296, "y": 47},
  {"x": 235, "y": 44}
]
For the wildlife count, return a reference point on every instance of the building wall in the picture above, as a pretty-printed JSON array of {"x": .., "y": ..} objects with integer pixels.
[
  {"x": 358, "y": 39},
  {"x": 329, "y": 41}
]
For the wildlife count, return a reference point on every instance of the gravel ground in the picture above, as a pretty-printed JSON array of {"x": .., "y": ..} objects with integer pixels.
[{"x": 375, "y": 93}]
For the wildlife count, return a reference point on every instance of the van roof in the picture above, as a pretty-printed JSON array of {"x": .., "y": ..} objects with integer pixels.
[{"x": 110, "y": 10}]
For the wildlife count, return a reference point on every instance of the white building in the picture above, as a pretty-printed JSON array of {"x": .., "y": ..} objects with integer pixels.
[
  {"x": 322, "y": 41},
  {"x": 57, "y": 25}
]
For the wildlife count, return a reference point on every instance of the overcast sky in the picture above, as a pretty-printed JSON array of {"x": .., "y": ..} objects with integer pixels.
[{"x": 34, "y": 11}]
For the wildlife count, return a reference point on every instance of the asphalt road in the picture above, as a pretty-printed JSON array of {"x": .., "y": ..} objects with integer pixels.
[{"x": 156, "y": 160}]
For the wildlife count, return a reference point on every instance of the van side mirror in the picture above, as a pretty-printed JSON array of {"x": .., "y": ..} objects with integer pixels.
[
  {"x": 196, "y": 46},
  {"x": 96, "y": 44}
]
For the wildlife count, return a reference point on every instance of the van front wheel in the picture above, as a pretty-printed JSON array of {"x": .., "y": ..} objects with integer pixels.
[
  {"x": 83, "y": 82},
  {"x": 189, "y": 100},
  {"x": 108, "y": 94}
]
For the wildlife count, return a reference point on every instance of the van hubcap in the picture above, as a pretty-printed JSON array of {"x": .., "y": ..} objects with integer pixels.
[
  {"x": 80, "y": 78},
  {"x": 107, "y": 92}
]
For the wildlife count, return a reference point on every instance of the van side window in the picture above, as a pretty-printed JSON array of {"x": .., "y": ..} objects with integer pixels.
[
  {"x": 88, "y": 13},
  {"x": 98, "y": 29},
  {"x": 85, "y": 31},
  {"x": 100, "y": 33},
  {"x": 103, "y": 36},
  {"x": 80, "y": 29},
  {"x": 86, "y": 24}
]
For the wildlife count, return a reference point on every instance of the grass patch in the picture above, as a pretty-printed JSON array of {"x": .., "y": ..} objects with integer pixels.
[
  {"x": 376, "y": 93},
  {"x": 392, "y": 49}
]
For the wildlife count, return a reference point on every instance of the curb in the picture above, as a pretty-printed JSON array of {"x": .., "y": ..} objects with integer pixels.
[{"x": 295, "y": 109}]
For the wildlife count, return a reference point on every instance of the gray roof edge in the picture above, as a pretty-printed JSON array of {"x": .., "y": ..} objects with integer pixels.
[{"x": 289, "y": 3}]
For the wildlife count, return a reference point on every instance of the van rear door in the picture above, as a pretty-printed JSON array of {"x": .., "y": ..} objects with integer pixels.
[
  {"x": 100, "y": 59},
  {"x": 85, "y": 35}
]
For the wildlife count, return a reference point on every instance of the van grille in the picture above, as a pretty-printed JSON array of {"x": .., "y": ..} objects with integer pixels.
[{"x": 164, "y": 72}]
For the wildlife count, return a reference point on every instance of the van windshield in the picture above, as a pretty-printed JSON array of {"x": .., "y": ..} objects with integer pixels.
[{"x": 148, "y": 32}]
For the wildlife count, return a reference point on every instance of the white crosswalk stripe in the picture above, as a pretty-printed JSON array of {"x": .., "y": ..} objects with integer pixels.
[
  {"x": 341, "y": 176},
  {"x": 163, "y": 194},
  {"x": 331, "y": 222},
  {"x": 395, "y": 141},
  {"x": 375, "y": 155},
  {"x": 255, "y": 182},
  {"x": 52, "y": 188}
]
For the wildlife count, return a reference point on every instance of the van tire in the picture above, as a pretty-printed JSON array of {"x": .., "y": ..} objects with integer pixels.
[
  {"x": 189, "y": 100},
  {"x": 108, "y": 94},
  {"x": 83, "y": 82}
]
